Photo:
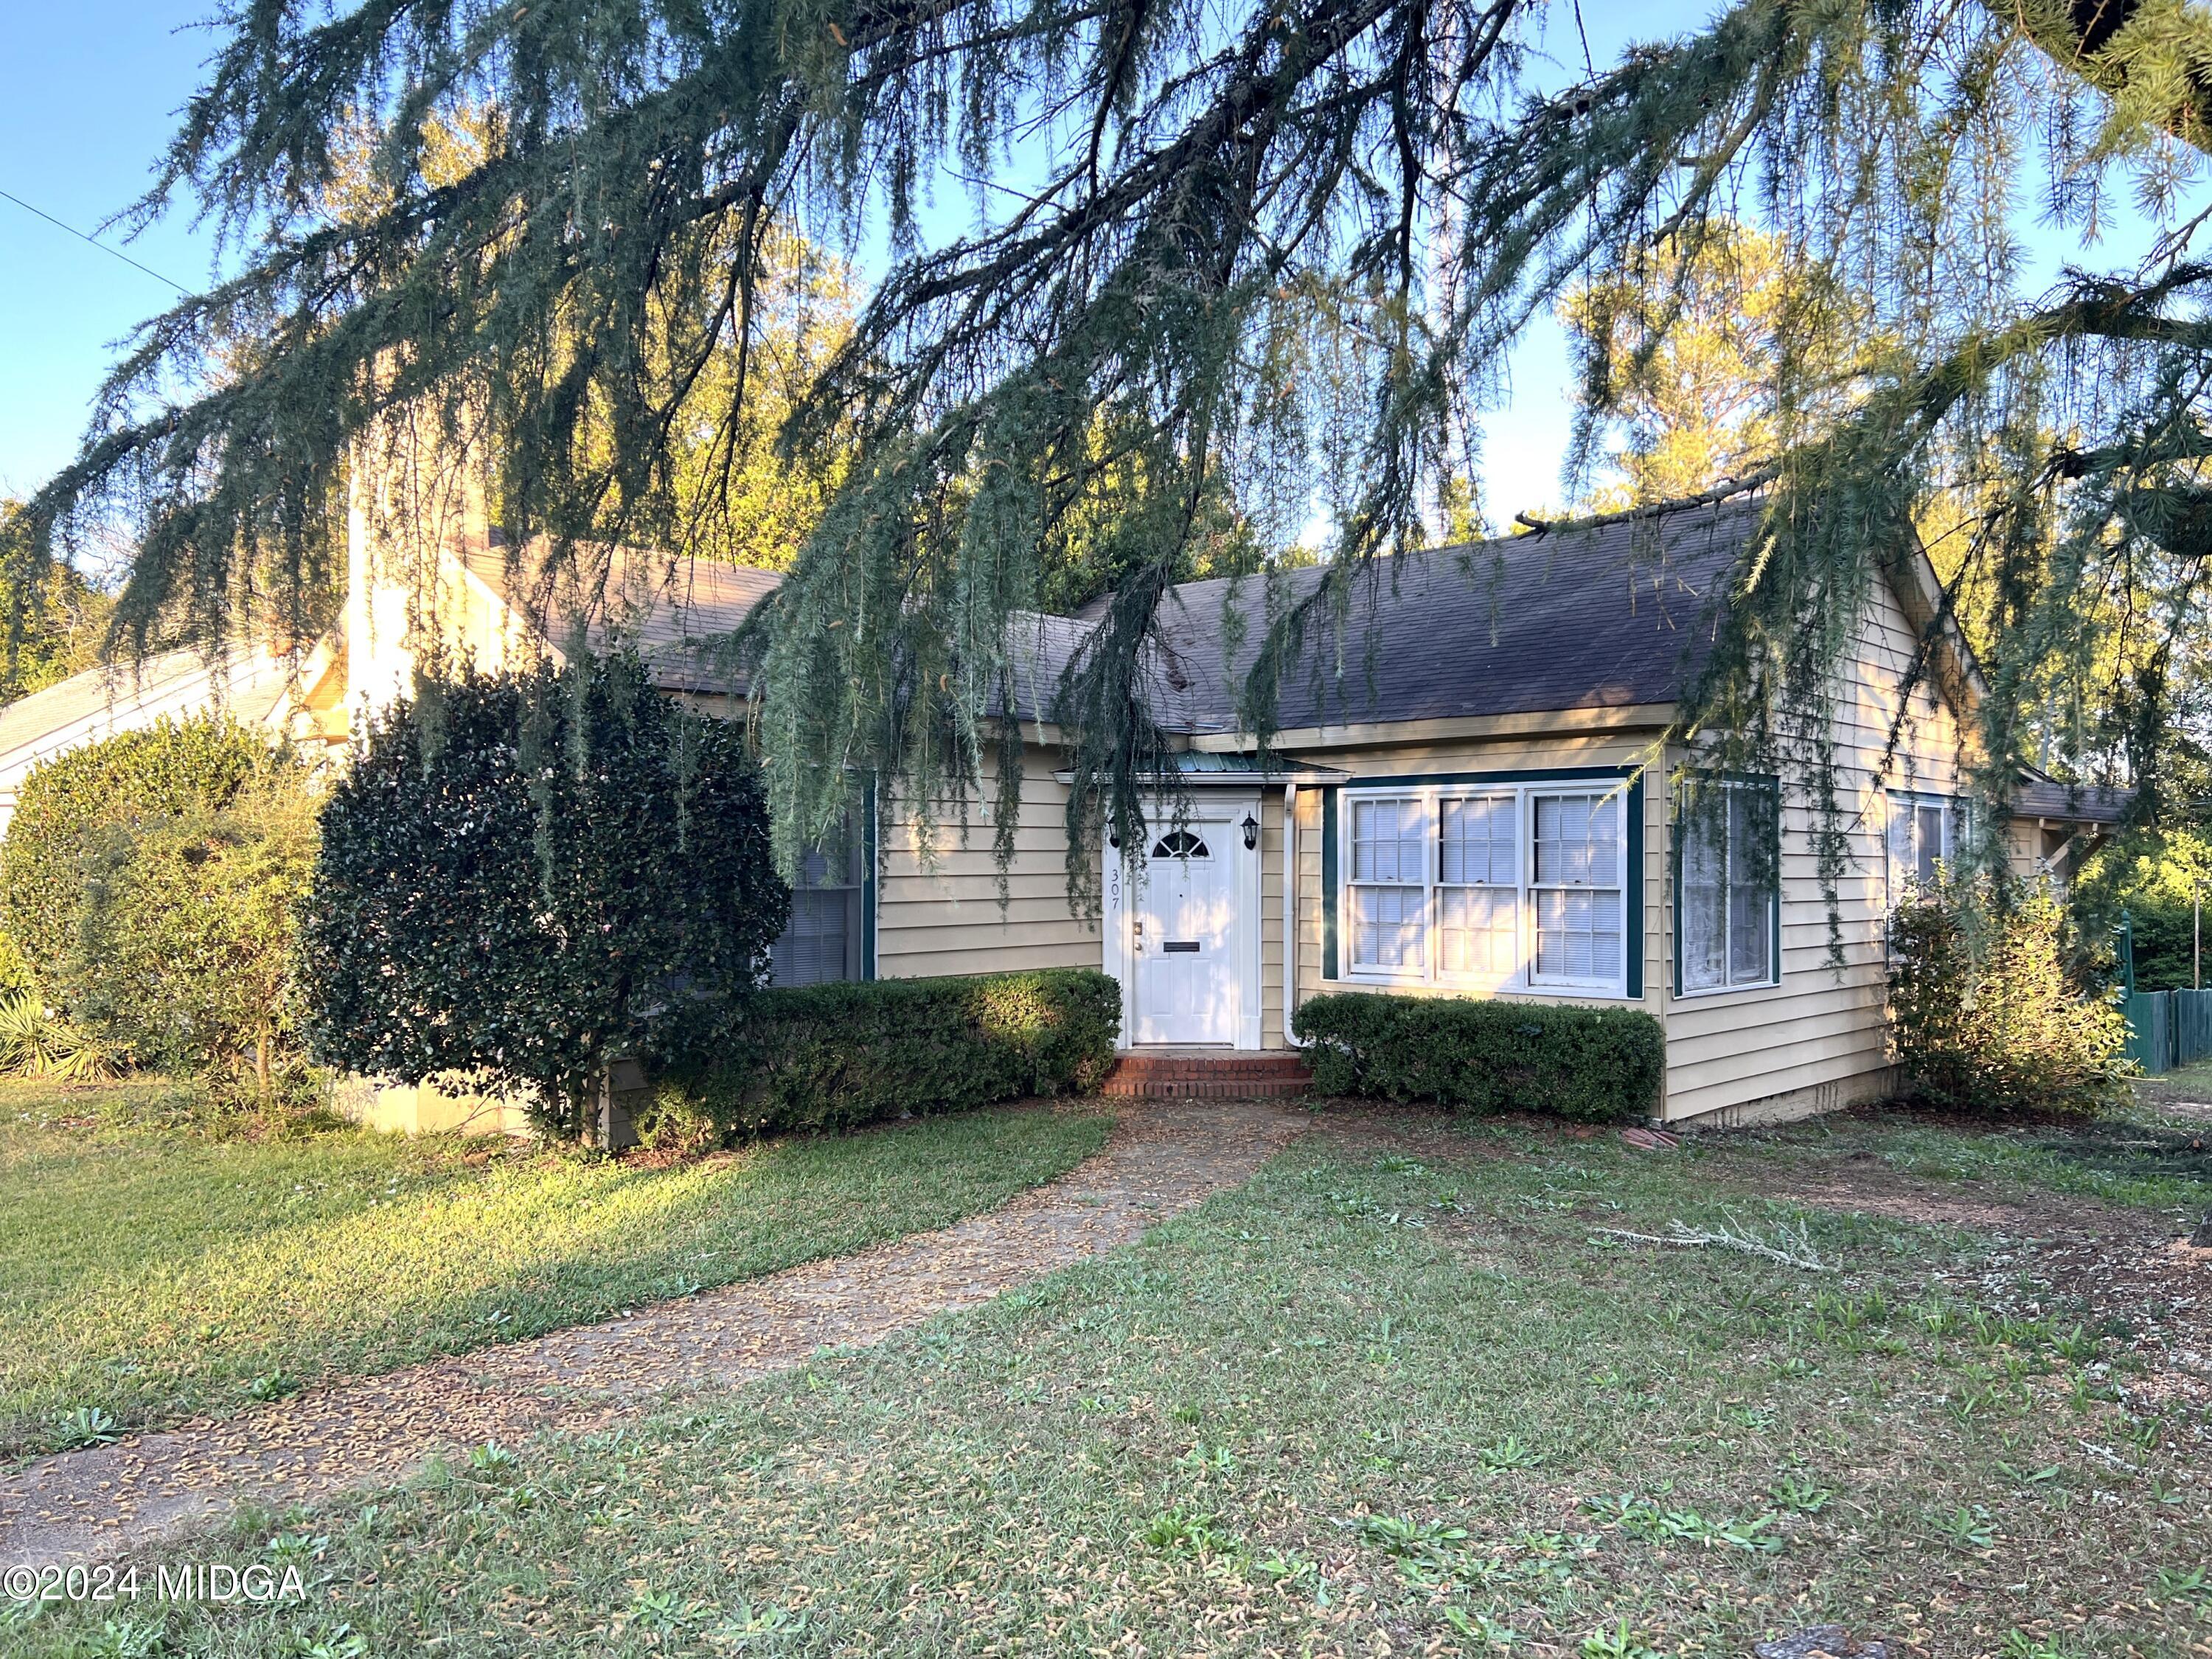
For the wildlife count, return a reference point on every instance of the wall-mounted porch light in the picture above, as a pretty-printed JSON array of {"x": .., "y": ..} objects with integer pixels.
[{"x": 1251, "y": 828}]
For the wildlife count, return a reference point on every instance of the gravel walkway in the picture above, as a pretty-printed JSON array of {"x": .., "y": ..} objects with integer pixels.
[{"x": 1164, "y": 1157}]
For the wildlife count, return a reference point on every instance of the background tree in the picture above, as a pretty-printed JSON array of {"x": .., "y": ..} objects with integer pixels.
[
  {"x": 526, "y": 877},
  {"x": 58, "y": 619},
  {"x": 1698, "y": 353},
  {"x": 1162, "y": 192}
]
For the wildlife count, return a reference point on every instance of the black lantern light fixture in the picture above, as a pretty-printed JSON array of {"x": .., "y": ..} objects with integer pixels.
[{"x": 1251, "y": 828}]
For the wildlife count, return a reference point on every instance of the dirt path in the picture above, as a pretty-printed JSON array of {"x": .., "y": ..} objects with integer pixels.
[{"x": 1165, "y": 1156}]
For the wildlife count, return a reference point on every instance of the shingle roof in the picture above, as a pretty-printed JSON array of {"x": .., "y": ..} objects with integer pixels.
[
  {"x": 673, "y": 610},
  {"x": 1608, "y": 616},
  {"x": 2070, "y": 803},
  {"x": 1603, "y": 616}
]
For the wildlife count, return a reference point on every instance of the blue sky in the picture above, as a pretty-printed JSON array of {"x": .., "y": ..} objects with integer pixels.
[{"x": 93, "y": 91}]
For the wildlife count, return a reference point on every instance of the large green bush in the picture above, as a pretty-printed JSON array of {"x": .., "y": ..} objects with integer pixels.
[
  {"x": 527, "y": 877},
  {"x": 186, "y": 958},
  {"x": 69, "y": 804},
  {"x": 1594, "y": 1065},
  {"x": 149, "y": 879},
  {"x": 832, "y": 1056},
  {"x": 1983, "y": 1014}
]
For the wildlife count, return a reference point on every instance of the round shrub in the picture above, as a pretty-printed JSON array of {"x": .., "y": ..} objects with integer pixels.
[
  {"x": 186, "y": 957},
  {"x": 68, "y": 803},
  {"x": 527, "y": 877},
  {"x": 1983, "y": 1015}
]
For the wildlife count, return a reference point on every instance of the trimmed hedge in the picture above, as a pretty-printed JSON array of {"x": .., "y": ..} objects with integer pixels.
[
  {"x": 834, "y": 1056},
  {"x": 1594, "y": 1065}
]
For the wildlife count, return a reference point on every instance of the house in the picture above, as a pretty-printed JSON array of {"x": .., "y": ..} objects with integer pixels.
[
  {"x": 1465, "y": 797},
  {"x": 297, "y": 696}
]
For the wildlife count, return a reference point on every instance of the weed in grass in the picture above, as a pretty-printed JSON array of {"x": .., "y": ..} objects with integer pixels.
[
  {"x": 1396, "y": 1534},
  {"x": 1203, "y": 1459},
  {"x": 748, "y": 1624},
  {"x": 1800, "y": 1494},
  {"x": 1966, "y": 1528},
  {"x": 2075, "y": 1345},
  {"x": 1618, "y": 1642},
  {"x": 327, "y": 1641},
  {"x": 2019, "y": 1645},
  {"x": 1182, "y": 1532},
  {"x": 86, "y": 1425},
  {"x": 1482, "y": 1627},
  {"x": 288, "y": 1547},
  {"x": 2173, "y": 1584},
  {"x": 491, "y": 1458},
  {"x": 273, "y": 1385},
  {"x": 2030, "y": 1477},
  {"x": 1507, "y": 1454}
]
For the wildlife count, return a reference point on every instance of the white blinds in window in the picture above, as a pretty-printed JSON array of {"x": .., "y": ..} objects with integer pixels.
[
  {"x": 1478, "y": 885},
  {"x": 1575, "y": 888}
]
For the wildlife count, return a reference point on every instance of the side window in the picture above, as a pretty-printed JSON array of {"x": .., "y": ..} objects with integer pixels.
[
  {"x": 822, "y": 942},
  {"x": 1922, "y": 834},
  {"x": 1728, "y": 888},
  {"x": 1574, "y": 889}
]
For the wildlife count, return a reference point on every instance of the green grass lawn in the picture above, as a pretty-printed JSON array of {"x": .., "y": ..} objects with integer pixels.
[
  {"x": 1394, "y": 1396},
  {"x": 148, "y": 1274}
]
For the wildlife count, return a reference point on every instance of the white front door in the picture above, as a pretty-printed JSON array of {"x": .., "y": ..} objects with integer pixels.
[{"x": 1183, "y": 937}]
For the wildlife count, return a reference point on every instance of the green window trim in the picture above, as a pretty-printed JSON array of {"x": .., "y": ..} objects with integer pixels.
[{"x": 1636, "y": 941}]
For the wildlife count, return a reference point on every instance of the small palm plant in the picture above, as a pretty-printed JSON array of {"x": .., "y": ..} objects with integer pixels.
[{"x": 37, "y": 1042}]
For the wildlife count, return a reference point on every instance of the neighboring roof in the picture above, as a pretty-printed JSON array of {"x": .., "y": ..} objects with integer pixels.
[
  {"x": 101, "y": 702},
  {"x": 2038, "y": 797}
]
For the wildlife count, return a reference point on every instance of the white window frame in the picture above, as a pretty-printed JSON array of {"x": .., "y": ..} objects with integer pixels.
[
  {"x": 1899, "y": 882},
  {"x": 1729, "y": 985},
  {"x": 1523, "y": 979}
]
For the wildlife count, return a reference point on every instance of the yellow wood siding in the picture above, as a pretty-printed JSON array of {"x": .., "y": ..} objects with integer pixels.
[
  {"x": 942, "y": 916},
  {"x": 1819, "y": 1039}
]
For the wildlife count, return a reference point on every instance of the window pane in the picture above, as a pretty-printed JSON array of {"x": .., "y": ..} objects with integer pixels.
[
  {"x": 1753, "y": 881},
  {"x": 1578, "y": 935},
  {"x": 1927, "y": 838},
  {"x": 1577, "y": 840},
  {"x": 1386, "y": 926},
  {"x": 1477, "y": 930},
  {"x": 1701, "y": 903},
  {"x": 1476, "y": 842},
  {"x": 1386, "y": 840},
  {"x": 812, "y": 948}
]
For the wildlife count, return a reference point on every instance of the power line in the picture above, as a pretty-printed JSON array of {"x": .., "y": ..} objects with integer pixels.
[{"x": 102, "y": 246}]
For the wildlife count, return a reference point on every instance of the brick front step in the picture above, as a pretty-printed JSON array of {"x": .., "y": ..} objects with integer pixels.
[{"x": 1208, "y": 1077}]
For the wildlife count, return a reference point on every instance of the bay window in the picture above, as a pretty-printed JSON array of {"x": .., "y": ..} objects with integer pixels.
[
  {"x": 1488, "y": 887},
  {"x": 1728, "y": 886}
]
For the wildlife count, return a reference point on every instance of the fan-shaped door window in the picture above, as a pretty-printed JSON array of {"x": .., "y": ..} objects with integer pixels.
[{"x": 1180, "y": 844}]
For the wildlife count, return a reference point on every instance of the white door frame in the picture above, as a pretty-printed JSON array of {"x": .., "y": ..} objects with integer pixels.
[{"x": 1228, "y": 808}]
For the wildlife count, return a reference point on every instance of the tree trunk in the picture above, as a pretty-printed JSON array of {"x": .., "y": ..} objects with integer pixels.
[{"x": 261, "y": 1068}]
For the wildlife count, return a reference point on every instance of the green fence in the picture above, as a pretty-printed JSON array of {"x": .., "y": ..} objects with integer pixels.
[{"x": 2167, "y": 1029}]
